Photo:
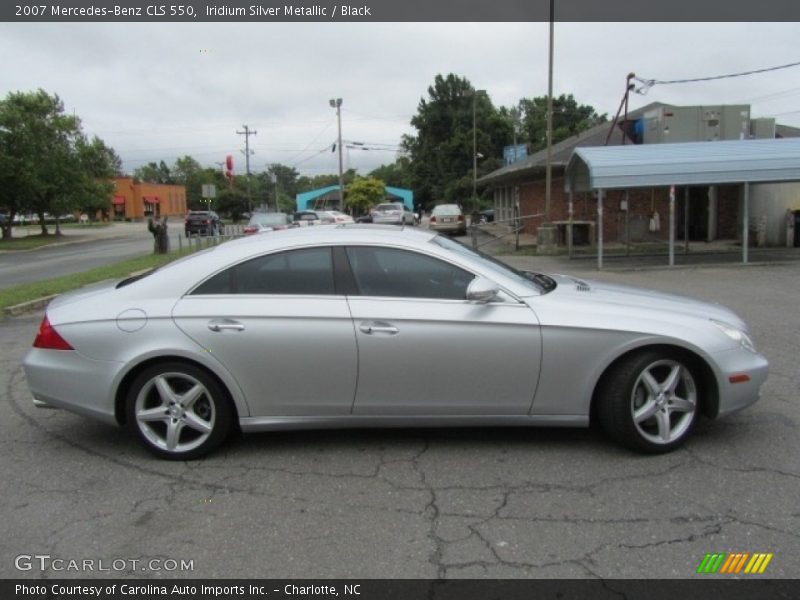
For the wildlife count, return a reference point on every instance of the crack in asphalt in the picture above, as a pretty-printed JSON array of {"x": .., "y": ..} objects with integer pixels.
[{"x": 244, "y": 479}]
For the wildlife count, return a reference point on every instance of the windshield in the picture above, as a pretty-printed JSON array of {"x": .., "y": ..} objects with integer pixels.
[{"x": 537, "y": 281}]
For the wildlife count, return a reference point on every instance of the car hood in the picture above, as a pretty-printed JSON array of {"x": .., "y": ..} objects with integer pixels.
[{"x": 633, "y": 301}]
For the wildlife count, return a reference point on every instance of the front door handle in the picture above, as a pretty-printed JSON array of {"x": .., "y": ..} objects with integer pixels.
[
  {"x": 378, "y": 327},
  {"x": 225, "y": 325}
]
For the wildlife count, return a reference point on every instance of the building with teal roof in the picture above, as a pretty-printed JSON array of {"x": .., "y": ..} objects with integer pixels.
[{"x": 327, "y": 198}]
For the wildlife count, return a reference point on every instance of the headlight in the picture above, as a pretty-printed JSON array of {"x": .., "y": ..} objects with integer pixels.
[{"x": 736, "y": 335}]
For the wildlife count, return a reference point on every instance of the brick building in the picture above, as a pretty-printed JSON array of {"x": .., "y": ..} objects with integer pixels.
[
  {"x": 705, "y": 213},
  {"x": 138, "y": 201}
]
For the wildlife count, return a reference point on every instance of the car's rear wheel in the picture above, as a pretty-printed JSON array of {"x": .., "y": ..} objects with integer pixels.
[
  {"x": 649, "y": 402},
  {"x": 178, "y": 411}
]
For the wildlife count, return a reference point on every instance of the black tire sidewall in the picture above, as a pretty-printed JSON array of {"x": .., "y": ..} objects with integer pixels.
[{"x": 614, "y": 402}]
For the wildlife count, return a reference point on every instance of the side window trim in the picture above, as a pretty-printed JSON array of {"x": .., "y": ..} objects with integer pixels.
[{"x": 233, "y": 276}]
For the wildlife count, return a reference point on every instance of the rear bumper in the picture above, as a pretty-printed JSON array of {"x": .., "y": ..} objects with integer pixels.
[
  {"x": 448, "y": 227},
  {"x": 387, "y": 220},
  {"x": 66, "y": 379}
]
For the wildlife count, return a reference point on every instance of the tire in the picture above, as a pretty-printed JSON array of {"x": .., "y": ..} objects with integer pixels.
[
  {"x": 178, "y": 411},
  {"x": 649, "y": 402}
]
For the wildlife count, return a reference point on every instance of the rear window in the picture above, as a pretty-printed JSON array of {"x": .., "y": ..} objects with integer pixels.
[{"x": 446, "y": 209}]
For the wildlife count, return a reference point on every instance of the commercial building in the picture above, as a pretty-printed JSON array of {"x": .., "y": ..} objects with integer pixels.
[
  {"x": 133, "y": 200},
  {"x": 704, "y": 212}
]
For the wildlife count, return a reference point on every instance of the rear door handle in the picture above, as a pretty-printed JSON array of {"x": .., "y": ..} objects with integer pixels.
[
  {"x": 224, "y": 325},
  {"x": 378, "y": 327}
]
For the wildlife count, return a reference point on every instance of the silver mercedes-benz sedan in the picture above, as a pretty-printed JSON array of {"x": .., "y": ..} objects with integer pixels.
[{"x": 418, "y": 330}]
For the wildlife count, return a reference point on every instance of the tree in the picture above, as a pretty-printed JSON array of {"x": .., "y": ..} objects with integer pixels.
[
  {"x": 46, "y": 162},
  {"x": 569, "y": 119},
  {"x": 187, "y": 172},
  {"x": 306, "y": 183},
  {"x": 396, "y": 174},
  {"x": 100, "y": 165},
  {"x": 363, "y": 193},
  {"x": 441, "y": 152},
  {"x": 154, "y": 173}
]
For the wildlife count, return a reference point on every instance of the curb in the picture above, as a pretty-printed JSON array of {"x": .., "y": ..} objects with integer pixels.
[{"x": 31, "y": 305}]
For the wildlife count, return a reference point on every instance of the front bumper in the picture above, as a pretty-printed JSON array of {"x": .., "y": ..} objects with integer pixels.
[{"x": 736, "y": 391}]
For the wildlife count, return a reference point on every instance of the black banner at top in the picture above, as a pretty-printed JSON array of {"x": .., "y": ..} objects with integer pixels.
[{"x": 399, "y": 11}]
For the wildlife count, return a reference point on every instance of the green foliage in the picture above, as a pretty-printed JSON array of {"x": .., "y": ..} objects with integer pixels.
[
  {"x": 441, "y": 152},
  {"x": 569, "y": 119},
  {"x": 46, "y": 162},
  {"x": 363, "y": 193},
  {"x": 305, "y": 184},
  {"x": 187, "y": 172},
  {"x": 396, "y": 174},
  {"x": 155, "y": 173}
]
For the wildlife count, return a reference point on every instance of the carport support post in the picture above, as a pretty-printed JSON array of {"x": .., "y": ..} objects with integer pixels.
[
  {"x": 672, "y": 226},
  {"x": 686, "y": 221},
  {"x": 599, "y": 230},
  {"x": 745, "y": 220},
  {"x": 569, "y": 226}
]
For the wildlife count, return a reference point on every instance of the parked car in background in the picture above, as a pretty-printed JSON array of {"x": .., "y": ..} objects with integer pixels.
[
  {"x": 338, "y": 216},
  {"x": 305, "y": 218},
  {"x": 203, "y": 222},
  {"x": 419, "y": 329},
  {"x": 393, "y": 213},
  {"x": 448, "y": 218},
  {"x": 487, "y": 216},
  {"x": 263, "y": 222}
]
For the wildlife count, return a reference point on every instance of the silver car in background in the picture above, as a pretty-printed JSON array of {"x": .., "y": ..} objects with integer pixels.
[
  {"x": 232, "y": 336},
  {"x": 393, "y": 213}
]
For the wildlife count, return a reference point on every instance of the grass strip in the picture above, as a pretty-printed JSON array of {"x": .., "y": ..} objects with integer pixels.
[{"x": 26, "y": 292}]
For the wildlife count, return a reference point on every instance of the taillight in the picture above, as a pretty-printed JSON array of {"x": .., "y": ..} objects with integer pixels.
[
  {"x": 460, "y": 218},
  {"x": 433, "y": 220},
  {"x": 49, "y": 339},
  {"x": 250, "y": 230}
]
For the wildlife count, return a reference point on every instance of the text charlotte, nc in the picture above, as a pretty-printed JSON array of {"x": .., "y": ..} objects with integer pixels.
[{"x": 289, "y": 10}]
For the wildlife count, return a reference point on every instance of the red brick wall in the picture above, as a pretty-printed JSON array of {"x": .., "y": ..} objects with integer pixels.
[{"x": 641, "y": 203}]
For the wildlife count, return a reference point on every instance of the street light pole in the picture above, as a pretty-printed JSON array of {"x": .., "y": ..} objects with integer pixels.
[
  {"x": 475, "y": 150},
  {"x": 337, "y": 104},
  {"x": 474, "y": 156}
]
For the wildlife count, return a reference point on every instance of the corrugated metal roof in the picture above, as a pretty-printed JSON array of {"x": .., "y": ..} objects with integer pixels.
[
  {"x": 695, "y": 163},
  {"x": 562, "y": 151}
]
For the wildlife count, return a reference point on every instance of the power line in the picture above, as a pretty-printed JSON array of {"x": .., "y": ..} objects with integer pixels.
[{"x": 648, "y": 83}]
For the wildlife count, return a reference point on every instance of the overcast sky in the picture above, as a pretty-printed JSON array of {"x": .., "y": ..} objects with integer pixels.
[{"x": 158, "y": 91}]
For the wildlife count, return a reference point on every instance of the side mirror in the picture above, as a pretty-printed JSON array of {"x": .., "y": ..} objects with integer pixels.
[{"x": 482, "y": 291}]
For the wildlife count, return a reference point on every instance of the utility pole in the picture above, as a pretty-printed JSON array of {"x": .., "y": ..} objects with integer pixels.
[
  {"x": 247, "y": 133},
  {"x": 549, "y": 166},
  {"x": 337, "y": 104}
]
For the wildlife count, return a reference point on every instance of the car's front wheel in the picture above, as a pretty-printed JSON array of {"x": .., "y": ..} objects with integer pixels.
[
  {"x": 649, "y": 401},
  {"x": 178, "y": 411}
]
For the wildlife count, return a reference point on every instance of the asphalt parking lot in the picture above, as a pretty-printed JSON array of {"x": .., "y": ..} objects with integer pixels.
[{"x": 507, "y": 503}]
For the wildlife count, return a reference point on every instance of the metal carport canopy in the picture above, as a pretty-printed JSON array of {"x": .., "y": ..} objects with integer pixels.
[{"x": 695, "y": 163}]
